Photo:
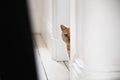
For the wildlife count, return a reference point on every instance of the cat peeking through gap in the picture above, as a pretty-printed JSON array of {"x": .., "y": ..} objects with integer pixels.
[{"x": 66, "y": 37}]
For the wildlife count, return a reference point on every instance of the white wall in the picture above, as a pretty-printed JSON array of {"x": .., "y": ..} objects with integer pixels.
[
  {"x": 35, "y": 15},
  {"x": 98, "y": 39},
  {"x": 102, "y": 38},
  {"x": 47, "y": 29}
]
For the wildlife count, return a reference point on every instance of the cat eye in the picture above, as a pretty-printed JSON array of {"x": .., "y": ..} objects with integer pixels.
[{"x": 65, "y": 34}]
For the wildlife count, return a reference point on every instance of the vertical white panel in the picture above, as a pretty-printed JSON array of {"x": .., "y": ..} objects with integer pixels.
[
  {"x": 98, "y": 40},
  {"x": 102, "y": 36},
  {"x": 74, "y": 69}
]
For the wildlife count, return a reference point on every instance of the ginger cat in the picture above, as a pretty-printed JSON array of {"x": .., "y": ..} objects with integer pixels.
[{"x": 66, "y": 37}]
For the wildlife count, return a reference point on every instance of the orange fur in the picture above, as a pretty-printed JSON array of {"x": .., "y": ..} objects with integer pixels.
[{"x": 66, "y": 37}]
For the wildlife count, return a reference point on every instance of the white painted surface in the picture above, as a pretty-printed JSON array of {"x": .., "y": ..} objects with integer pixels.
[
  {"x": 53, "y": 14},
  {"x": 47, "y": 29},
  {"x": 98, "y": 39},
  {"x": 73, "y": 74},
  {"x": 76, "y": 62},
  {"x": 46, "y": 18},
  {"x": 60, "y": 16},
  {"x": 54, "y": 70},
  {"x": 35, "y": 15},
  {"x": 40, "y": 68}
]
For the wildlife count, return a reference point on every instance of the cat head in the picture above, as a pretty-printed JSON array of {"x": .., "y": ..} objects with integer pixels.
[{"x": 65, "y": 34}]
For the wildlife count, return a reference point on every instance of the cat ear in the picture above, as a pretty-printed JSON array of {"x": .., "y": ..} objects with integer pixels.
[{"x": 63, "y": 27}]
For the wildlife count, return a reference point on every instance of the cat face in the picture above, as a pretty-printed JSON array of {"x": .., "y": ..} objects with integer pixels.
[{"x": 65, "y": 34}]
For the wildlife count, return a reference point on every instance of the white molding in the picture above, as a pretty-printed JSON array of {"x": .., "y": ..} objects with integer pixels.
[
  {"x": 73, "y": 28},
  {"x": 77, "y": 69},
  {"x": 73, "y": 67}
]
